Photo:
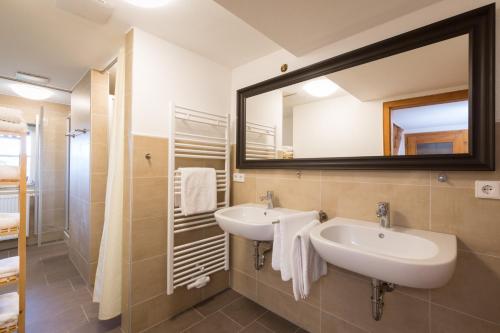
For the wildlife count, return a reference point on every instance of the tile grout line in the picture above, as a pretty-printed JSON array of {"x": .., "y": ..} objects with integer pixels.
[
  {"x": 466, "y": 314},
  {"x": 256, "y": 319},
  {"x": 225, "y": 315}
]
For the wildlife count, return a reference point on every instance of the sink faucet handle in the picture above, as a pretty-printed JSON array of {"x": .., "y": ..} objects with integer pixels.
[{"x": 382, "y": 209}]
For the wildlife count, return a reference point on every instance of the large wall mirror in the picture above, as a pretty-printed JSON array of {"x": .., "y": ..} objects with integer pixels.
[{"x": 420, "y": 100}]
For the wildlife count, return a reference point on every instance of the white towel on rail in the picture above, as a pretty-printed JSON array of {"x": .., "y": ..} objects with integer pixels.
[
  {"x": 11, "y": 115},
  {"x": 289, "y": 225},
  {"x": 307, "y": 265},
  {"x": 9, "y": 309},
  {"x": 9, "y": 266},
  {"x": 9, "y": 172},
  {"x": 9, "y": 220},
  {"x": 198, "y": 190},
  {"x": 13, "y": 127}
]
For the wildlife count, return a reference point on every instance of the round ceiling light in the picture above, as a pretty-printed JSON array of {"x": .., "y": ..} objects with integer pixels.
[
  {"x": 320, "y": 87},
  {"x": 30, "y": 91},
  {"x": 148, "y": 3}
]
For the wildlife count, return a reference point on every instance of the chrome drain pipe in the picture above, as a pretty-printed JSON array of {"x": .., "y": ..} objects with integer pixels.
[
  {"x": 379, "y": 288},
  {"x": 259, "y": 253}
]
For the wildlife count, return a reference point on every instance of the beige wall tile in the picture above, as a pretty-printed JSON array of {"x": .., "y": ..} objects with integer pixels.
[
  {"x": 157, "y": 166},
  {"x": 444, "y": 320},
  {"x": 474, "y": 221},
  {"x": 149, "y": 237},
  {"x": 149, "y": 197},
  {"x": 409, "y": 204},
  {"x": 219, "y": 281},
  {"x": 149, "y": 278},
  {"x": 377, "y": 177},
  {"x": 244, "y": 284},
  {"x": 99, "y": 132},
  {"x": 98, "y": 187},
  {"x": 242, "y": 251},
  {"x": 348, "y": 298},
  {"x": 99, "y": 154},
  {"x": 244, "y": 192},
  {"x": 291, "y": 193},
  {"x": 474, "y": 288},
  {"x": 300, "y": 313}
]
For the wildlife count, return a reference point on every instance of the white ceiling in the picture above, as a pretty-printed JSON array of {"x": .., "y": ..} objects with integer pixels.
[
  {"x": 433, "y": 67},
  {"x": 38, "y": 37},
  {"x": 301, "y": 26},
  {"x": 438, "y": 115}
]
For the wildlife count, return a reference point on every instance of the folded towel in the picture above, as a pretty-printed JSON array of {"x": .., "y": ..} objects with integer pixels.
[
  {"x": 13, "y": 127},
  {"x": 289, "y": 225},
  {"x": 9, "y": 309},
  {"x": 9, "y": 172},
  {"x": 9, "y": 220},
  {"x": 198, "y": 190},
  {"x": 307, "y": 265},
  {"x": 11, "y": 115},
  {"x": 9, "y": 266}
]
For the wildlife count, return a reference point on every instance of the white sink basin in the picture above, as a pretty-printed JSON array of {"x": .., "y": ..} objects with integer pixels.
[
  {"x": 251, "y": 221},
  {"x": 407, "y": 257}
]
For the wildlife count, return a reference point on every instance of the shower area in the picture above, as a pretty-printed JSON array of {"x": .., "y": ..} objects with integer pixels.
[{"x": 47, "y": 170}]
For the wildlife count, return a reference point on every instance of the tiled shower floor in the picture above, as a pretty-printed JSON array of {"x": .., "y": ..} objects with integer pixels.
[
  {"x": 227, "y": 312},
  {"x": 58, "y": 301}
]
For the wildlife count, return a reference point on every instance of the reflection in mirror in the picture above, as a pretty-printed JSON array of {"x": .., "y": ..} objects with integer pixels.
[{"x": 411, "y": 103}]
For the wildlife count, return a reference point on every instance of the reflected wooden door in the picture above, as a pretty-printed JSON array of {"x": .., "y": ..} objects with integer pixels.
[{"x": 446, "y": 142}]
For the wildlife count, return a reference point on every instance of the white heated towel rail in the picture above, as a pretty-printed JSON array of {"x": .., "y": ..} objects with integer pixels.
[
  {"x": 261, "y": 150},
  {"x": 192, "y": 262}
]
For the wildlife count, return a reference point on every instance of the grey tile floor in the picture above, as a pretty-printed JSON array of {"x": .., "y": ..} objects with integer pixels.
[
  {"x": 227, "y": 312},
  {"x": 57, "y": 299}
]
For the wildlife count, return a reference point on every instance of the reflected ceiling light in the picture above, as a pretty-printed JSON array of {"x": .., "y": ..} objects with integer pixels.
[
  {"x": 148, "y": 3},
  {"x": 30, "y": 91},
  {"x": 320, "y": 87}
]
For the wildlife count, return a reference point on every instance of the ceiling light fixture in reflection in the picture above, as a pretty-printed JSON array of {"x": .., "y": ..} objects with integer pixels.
[
  {"x": 320, "y": 87},
  {"x": 148, "y": 3}
]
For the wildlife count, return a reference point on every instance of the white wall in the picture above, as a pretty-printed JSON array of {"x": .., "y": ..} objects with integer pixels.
[
  {"x": 269, "y": 66},
  {"x": 339, "y": 127},
  {"x": 164, "y": 72}
]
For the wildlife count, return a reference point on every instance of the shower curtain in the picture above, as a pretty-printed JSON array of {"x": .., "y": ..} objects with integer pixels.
[{"x": 108, "y": 281}]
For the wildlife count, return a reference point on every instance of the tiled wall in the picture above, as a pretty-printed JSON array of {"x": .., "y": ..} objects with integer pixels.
[
  {"x": 340, "y": 302},
  {"x": 88, "y": 171},
  {"x": 54, "y": 154},
  {"x": 149, "y": 302}
]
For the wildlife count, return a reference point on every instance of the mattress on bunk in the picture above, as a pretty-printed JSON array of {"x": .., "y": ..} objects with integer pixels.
[
  {"x": 11, "y": 115},
  {"x": 9, "y": 267},
  {"x": 7, "y": 126},
  {"x": 9, "y": 220},
  {"x": 9, "y": 172},
  {"x": 9, "y": 309}
]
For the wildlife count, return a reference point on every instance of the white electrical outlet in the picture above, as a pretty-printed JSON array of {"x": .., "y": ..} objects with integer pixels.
[
  {"x": 239, "y": 177},
  {"x": 488, "y": 189}
]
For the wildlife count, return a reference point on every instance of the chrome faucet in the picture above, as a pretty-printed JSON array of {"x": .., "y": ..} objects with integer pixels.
[
  {"x": 269, "y": 198},
  {"x": 383, "y": 214}
]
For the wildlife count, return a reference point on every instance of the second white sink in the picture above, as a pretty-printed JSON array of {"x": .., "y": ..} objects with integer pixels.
[
  {"x": 407, "y": 257},
  {"x": 251, "y": 221}
]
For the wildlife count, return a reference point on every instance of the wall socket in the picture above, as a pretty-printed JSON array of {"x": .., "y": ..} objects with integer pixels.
[
  {"x": 239, "y": 177},
  {"x": 488, "y": 189}
]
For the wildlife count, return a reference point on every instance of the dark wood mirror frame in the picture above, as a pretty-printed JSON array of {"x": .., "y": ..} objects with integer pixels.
[{"x": 479, "y": 24}]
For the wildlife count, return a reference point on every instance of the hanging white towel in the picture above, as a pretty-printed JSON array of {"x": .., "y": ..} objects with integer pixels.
[
  {"x": 13, "y": 127},
  {"x": 198, "y": 190},
  {"x": 9, "y": 172},
  {"x": 9, "y": 267},
  {"x": 11, "y": 115},
  {"x": 276, "y": 258},
  {"x": 289, "y": 226},
  {"x": 307, "y": 265}
]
